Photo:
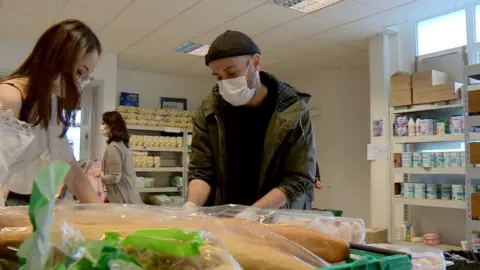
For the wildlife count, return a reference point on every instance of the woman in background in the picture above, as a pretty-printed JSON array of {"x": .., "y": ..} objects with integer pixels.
[
  {"x": 119, "y": 174},
  {"x": 37, "y": 105}
]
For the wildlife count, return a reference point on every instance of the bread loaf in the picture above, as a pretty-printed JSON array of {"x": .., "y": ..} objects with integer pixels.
[{"x": 92, "y": 224}]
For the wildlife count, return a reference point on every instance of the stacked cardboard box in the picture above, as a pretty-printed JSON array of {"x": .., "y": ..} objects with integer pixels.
[
  {"x": 434, "y": 86},
  {"x": 474, "y": 102},
  {"x": 376, "y": 235},
  {"x": 401, "y": 89}
]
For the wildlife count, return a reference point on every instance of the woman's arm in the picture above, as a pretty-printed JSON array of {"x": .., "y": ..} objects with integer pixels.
[
  {"x": 113, "y": 164},
  {"x": 77, "y": 181}
]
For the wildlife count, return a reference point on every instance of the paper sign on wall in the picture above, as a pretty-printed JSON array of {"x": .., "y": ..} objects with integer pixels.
[
  {"x": 377, "y": 152},
  {"x": 377, "y": 128}
]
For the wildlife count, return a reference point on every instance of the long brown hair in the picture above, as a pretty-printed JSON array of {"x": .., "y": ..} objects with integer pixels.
[
  {"x": 55, "y": 55},
  {"x": 118, "y": 127}
]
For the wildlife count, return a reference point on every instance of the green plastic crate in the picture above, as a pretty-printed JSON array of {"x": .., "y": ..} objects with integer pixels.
[{"x": 363, "y": 260}]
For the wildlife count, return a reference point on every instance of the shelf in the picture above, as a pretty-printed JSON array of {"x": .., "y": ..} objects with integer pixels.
[
  {"x": 460, "y": 170},
  {"x": 152, "y": 128},
  {"x": 157, "y": 149},
  {"x": 428, "y": 107},
  {"x": 433, "y": 138},
  {"x": 441, "y": 247},
  {"x": 473, "y": 121},
  {"x": 432, "y": 203},
  {"x": 163, "y": 169},
  {"x": 473, "y": 71},
  {"x": 474, "y": 173},
  {"x": 159, "y": 189}
]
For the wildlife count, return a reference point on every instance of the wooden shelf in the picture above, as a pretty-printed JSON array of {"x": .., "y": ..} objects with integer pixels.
[
  {"x": 432, "y": 203},
  {"x": 159, "y": 190},
  {"x": 161, "y": 169}
]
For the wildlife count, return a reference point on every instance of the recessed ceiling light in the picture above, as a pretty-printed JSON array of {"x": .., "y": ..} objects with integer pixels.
[
  {"x": 306, "y": 6},
  {"x": 192, "y": 48}
]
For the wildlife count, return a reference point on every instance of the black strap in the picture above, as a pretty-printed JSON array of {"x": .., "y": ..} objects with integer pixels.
[{"x": 13, "y": 85}]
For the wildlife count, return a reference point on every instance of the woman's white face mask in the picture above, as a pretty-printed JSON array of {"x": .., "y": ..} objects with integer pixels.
[
  {"x": 236, "y": 91},
  {"x": 104, "y": 130},
  {"x": 82, "y": 81}
]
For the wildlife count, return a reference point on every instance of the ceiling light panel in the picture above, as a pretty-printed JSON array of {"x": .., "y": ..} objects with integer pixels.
[
  {"x": 192, "y": 48},
  {"x": 306, "y": 6}
]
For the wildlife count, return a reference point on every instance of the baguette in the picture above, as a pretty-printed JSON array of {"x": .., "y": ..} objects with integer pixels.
[
  {"x": 95, "y": 223},
  {"x": 249, "y": 255},
  {"x": 330, "y": 248}
]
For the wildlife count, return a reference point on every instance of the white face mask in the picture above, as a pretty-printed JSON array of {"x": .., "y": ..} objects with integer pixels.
[
  {"x": 236, "y": 91},
  {"x": 104, "y": 130},
  {"x": 83, "y": 81}
]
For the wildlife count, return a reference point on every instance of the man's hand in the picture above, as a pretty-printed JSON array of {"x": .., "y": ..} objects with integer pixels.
[
  {"x": 318, "y": 184},
  {"x": 249, "y": 214},
  {"x": 198, "y": 192}
]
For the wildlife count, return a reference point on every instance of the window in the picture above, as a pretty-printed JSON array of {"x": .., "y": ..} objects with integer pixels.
[
  {"x": 442, "y": 33},
  {"x": 477, "y": 23},
  {"x": 73, "y": 135}
]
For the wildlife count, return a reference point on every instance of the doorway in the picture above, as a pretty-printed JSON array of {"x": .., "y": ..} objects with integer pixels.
[{"x": 86, "y": 123}]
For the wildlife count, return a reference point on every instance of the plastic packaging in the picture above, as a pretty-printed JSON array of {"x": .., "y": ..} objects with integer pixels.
[
  {"x": 422, "y": 258},
  {"x": 351, "y": 230},
  {"x": 411, "y": 127},
  {"x": 248, "y": 244},
  {"x": 401, "y": 231}
]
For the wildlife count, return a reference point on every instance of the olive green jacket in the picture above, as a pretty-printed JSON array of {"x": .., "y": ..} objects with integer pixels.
[{"x": 289, "y": 148}]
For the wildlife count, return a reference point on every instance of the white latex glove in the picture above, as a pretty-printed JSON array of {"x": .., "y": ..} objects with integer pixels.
[
  {"x": 190, "y": 209},
  {"x": 248, "y": 215},
  {"x": 189, "y": 205}
]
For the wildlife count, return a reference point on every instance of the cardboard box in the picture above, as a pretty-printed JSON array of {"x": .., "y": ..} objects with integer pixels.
[
  {"x": 376, "y": 236},
  {"x": 474, "y": 102},
  {"x": 476, "y": 206},
  {"x": 401, "y": 97},
  {"x": 474, "y": 153},
  {"x": 437, "y": 93},
  {"x": 400, "y": 80},
  {"x": 430, "y": 78},
  {"x": 397, "y": 160}
]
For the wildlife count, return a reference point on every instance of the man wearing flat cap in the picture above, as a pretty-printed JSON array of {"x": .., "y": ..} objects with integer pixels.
[{"x": 253, "y": 142}]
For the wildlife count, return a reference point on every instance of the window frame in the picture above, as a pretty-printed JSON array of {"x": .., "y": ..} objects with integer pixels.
[{"x": 468, "y": 29}]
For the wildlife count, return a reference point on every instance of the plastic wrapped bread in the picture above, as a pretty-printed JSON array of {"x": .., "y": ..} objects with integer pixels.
[
  {"x": 351, "y": 230},
  {"x": 253, "y": 245},
  {"x": 422, "y": 258}
]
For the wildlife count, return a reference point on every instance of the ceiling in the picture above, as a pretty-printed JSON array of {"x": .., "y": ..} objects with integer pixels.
[{"x": 144, "y": 32}]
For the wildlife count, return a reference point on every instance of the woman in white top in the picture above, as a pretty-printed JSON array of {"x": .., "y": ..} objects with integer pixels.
[{"x": 37, "y": 106}]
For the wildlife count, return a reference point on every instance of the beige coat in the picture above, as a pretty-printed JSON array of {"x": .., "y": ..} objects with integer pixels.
[{"x": 119, "y": 175}]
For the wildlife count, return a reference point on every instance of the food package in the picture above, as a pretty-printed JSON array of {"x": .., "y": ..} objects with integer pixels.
[
  {"x": 250, "y": 243},
  {"x": 166, "y": 248},
  {"x": 351, "y": 230},
  {"x": 422, "y": 258}
]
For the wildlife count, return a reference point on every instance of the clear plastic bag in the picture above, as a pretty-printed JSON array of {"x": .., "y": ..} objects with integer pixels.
[
  {"x": 253, "y": 245},
  {"x": 422, "y": 258},
  {"x": 351, "y": 230},
  {"x": 144, "y": 249}
]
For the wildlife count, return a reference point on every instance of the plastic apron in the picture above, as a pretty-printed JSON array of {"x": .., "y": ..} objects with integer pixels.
[
  {"x": 15, "y": 136},
  {"x": 33, "y": 148}
]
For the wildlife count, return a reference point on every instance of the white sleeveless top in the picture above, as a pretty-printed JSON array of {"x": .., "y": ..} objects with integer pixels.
[{"x": 24, "y": 149}]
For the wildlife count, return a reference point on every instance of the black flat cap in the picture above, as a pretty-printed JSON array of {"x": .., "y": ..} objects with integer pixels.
[{"x": 231, "y": 44}]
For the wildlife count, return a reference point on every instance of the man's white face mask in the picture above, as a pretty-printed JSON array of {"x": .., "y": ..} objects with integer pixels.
[{"x": 236, "y": 91}]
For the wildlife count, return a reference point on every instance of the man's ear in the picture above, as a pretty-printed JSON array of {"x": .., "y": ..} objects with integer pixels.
[{"x": 256, "y": 61}]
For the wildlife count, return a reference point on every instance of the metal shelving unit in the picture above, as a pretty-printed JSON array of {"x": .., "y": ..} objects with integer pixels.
[
  {"x": 185, "y": 150},
  {"x": 470, "y": 72},
  {"x": 406, "y": 144}
]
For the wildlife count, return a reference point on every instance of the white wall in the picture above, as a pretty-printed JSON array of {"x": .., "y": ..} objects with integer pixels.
[
  {"x": 13, "y": 53},
  {"x": 153, "y": 86},
  {"x": 342, "y": 133}
]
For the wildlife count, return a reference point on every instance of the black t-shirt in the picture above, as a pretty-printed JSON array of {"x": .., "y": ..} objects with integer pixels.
[{"x": 245, "y": 134}]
